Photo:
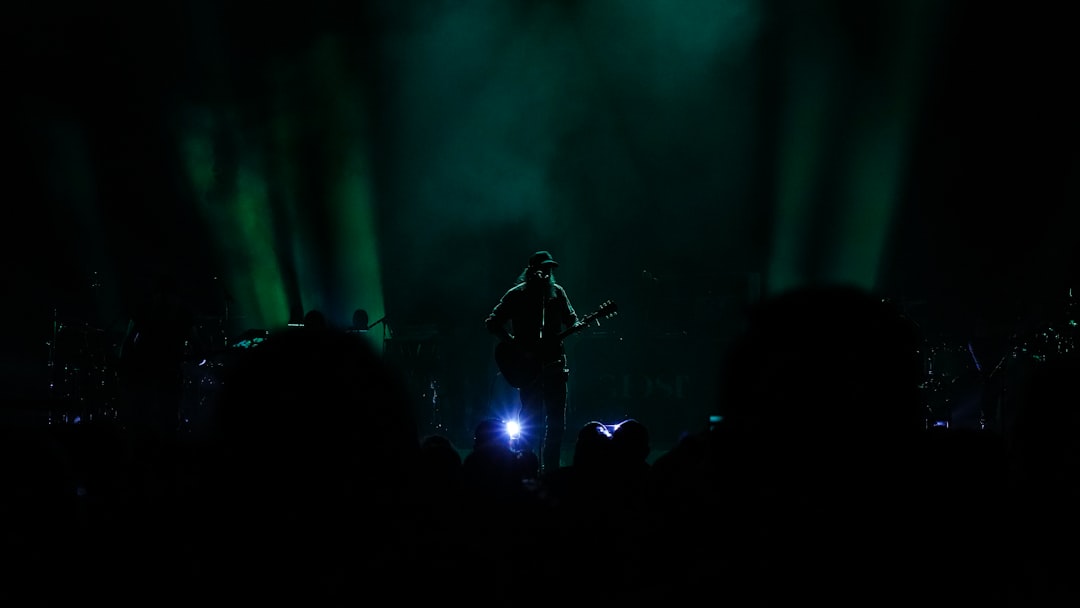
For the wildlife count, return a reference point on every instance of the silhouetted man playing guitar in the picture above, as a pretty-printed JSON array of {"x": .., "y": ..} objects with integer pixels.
[{"x": 529, "y": 320}]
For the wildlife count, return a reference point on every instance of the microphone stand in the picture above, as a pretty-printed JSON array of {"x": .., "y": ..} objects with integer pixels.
[{"x": 382, "y": 321}]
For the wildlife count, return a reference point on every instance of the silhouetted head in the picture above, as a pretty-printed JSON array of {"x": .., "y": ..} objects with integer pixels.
[
  {"x": 440, "y": 463},
  {"x": 360, "y": 319},
  {"x": 315, "y": 319},
  {"x": 631, "y": 441},
  {"x": 306, "y": 407},
  {"x": 593, "y": 446},
  {"x": 490, "y": 432},
  {"x": 540, "y": 269},
  {"x": 312, "y": 429},
  {"x": 436, "y": 442}
]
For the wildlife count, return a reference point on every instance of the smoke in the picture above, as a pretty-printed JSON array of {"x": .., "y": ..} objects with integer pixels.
[{"x": 579, "y": 128}]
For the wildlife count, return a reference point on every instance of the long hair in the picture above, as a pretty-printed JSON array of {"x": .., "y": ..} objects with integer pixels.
[{"x": 528, "y": 277}]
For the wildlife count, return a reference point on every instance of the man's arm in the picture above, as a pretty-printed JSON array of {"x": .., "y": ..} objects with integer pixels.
[
  {"x": 569, "y": 315},
  {"x": 499, "y": 331},
  {"x": 497, "y": 320}
]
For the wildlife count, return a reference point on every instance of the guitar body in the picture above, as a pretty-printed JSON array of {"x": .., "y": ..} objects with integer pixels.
[{"x": 521, "y": 366}]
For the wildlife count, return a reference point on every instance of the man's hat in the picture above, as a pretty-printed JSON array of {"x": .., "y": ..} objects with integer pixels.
[{"x": 542, "y": 258}]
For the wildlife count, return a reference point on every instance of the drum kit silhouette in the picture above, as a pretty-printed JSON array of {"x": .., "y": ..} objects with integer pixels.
[
  {"x": 83, "y": 379},
  {"x": 85, "y": 360},
  {"x": 84, "y": 370},
  {"x": 961, "y": 389}
]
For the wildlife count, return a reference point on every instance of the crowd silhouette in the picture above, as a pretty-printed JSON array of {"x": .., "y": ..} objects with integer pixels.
[{"x": 311, "y": 483}]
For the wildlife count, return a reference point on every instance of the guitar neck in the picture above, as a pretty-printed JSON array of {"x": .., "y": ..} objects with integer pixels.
[
  {"x": 606, "y": 310},
  {"x": 566, "y": 333},
  {"x": 576, "y": 327}
]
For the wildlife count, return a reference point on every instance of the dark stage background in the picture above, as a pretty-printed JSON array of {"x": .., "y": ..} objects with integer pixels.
[{"x": 682, "y": 158}]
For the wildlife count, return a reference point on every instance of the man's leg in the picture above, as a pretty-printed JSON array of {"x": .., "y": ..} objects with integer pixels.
[
  {"x": 555, "y": 419},
  {"x": 531, "y": 418}
]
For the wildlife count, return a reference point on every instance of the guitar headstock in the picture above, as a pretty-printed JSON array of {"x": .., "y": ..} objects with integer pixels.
[{"x": 606, "y": 310}]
